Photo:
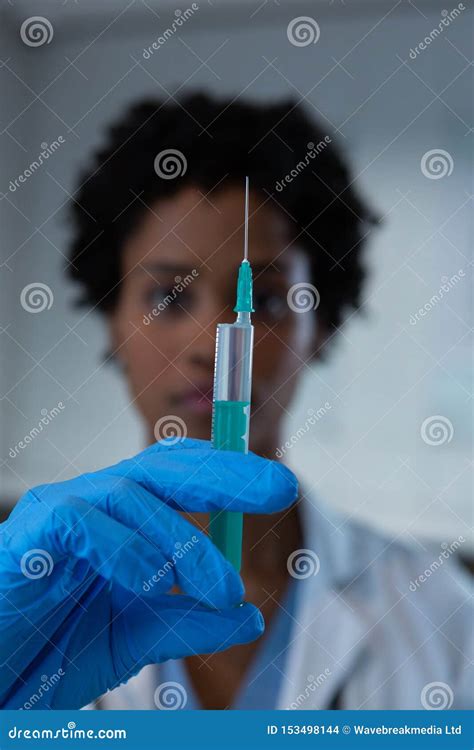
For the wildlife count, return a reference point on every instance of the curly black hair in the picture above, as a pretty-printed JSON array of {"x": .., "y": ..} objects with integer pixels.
[{"x": 222, "y": 141}]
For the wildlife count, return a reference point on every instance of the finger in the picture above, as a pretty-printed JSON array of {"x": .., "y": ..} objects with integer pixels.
[
  {"x": 77, "y": 530},
  {"x": 149, "y": 633},
  {"x": 198, "y": 478},
  {"x": 198, "y": 567},
  {"x": 176, "y": 626},
  {"x": 204, "y": 479}
]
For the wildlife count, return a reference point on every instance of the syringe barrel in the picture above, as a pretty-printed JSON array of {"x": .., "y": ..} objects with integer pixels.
[
  {"x": 233, "y": 362},
  {"x": 231, "y": 420}
]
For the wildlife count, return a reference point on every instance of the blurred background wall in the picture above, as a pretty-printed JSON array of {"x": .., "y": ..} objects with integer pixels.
[{"x": 395, "y": 445}]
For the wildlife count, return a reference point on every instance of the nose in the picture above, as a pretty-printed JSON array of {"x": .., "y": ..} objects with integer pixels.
[
  {"x": 201, "y": 349},
  {"x": 200, "y": 353}
]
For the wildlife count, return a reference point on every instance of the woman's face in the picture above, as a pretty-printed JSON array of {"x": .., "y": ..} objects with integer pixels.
[{"x": 179, "y": 272}]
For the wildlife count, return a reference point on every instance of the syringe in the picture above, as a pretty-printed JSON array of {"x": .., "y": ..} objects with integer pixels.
[{"x": 231, "y": 399}]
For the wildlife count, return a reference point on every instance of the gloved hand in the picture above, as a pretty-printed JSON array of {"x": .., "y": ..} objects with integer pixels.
[{"x": 86, "y": 567}]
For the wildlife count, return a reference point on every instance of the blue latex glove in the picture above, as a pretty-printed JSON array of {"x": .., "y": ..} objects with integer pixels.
[{"x": 86, "y": 567}]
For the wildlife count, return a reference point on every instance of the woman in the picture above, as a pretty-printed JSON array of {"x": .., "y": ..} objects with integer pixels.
[{"x": 127, "y": 589}]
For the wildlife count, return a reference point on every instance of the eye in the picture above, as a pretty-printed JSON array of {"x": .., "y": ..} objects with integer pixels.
[
  {"x": 159, "y": 294},
  {"x": 269, "y": 304},
  {"x": 168, "y": 299}
]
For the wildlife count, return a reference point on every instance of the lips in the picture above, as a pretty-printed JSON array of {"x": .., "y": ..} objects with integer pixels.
[{"x": 197, "y": 399}]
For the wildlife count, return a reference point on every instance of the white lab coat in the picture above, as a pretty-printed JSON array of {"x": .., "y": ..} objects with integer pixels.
[{"x": 361, "y": 630}]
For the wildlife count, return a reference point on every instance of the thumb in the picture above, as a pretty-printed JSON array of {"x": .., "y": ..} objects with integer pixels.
[{"x": 174, "y": 626}]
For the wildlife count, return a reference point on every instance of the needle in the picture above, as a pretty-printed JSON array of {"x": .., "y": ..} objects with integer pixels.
[{"x": 246, "y": 241}]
